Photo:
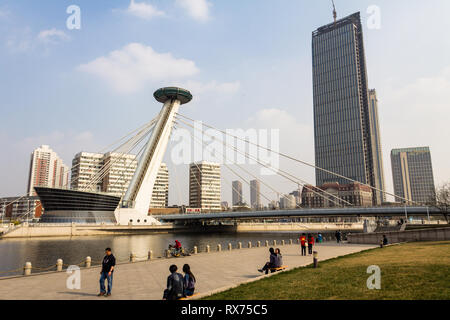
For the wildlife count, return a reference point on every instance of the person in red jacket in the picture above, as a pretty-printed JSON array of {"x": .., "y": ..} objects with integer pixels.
[
  {"x": 310, "y": 243},
  {"x": 303, "y": 244}
]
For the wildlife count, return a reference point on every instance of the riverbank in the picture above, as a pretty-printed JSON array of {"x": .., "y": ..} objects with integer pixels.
[
  {"x": 411, "y": 271},
  {"x": 147, "y": 279},
  {"x": 37, "y": 230}
]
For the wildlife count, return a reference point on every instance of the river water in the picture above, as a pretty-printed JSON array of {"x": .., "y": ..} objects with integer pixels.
[{"x": 43, "y": 252}]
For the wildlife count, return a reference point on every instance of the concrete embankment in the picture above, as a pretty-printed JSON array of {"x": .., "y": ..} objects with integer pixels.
[
  {"x": 429, "y": 234},
  {"x": 68, "y": 230},
  {"x": 77, "y": 230}
]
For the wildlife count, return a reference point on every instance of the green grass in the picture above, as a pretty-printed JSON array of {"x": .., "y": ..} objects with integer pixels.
[{"x": 412, "y": 271}]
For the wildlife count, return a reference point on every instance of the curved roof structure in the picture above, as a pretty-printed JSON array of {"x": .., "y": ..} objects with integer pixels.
[{"x": 173, "y": 93}]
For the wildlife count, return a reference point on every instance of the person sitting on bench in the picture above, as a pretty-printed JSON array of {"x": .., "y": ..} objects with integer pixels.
[
  {"x": 279, "y": 260},
  {"x": 271, "y": 264}
]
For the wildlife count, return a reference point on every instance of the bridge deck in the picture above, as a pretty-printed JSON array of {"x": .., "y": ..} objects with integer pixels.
[{"x": 147, "y": 280}]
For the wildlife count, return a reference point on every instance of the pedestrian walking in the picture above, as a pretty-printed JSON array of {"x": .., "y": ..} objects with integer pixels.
[
  {"x": 310, "y": 244},
  {"x": 108, "y": 264},
  {"x": 338, "y": 236},
  {"x": 303, "y": 244}
]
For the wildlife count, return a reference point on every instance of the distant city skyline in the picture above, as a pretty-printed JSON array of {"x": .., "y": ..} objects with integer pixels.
[{"x": 68, "y": 91}]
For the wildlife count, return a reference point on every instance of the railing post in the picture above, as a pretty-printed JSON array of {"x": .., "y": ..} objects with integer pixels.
[
  {"x": 208, "y": 249},
  {"x": 282, "y": 242},
  {"x": 132, "y": 257},
  {"x": 59, "y": 265},
  {"x": 240, "y": 245},
  {"x": 150, "y": 255},
  {"x": 230, "y": 247},
  {"x": 219, "y": 247},
  {"x": 27, "y": 269},
  {"x": 274, "y": 243},
  {"x": 267, "y": 243},
  {"x": 195, "y": 250},
  {"x": 167, "y": 253},
  {"x": 291, "y": 242},
  {"x": 249, "y": 244},
  {"x": 88, "y": 262},
  {"x": 258, "y": 244}
]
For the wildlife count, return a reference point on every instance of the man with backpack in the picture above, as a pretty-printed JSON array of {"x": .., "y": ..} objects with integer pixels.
[
  {"x": 175, "y": 285},
  {"x": 303, "y": 244}
]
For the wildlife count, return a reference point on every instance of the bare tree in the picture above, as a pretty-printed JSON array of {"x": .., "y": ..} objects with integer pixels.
[{"x": 442, "y": 199}]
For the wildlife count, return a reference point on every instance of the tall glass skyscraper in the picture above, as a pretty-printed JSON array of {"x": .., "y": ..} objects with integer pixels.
[
  {"x": 344, "y": 141},
  {"x": 412, "y": 172}
]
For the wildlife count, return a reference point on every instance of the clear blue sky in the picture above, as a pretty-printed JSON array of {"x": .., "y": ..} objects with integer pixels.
[{"x": 248, "y": 64}]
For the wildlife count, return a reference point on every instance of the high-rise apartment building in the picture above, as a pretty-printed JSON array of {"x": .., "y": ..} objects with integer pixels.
[
  {"x": 46, "y": 170},
  {"x": 85, "y": 167},
  {"x": 255, "y": 194},
  {"x": 112, "y": 173},
  {"x": 204, "y": 186},
  {"x": 237, "y": 192},
  {"x": 412, "y": 173},
  {"x": 120, "y": 169},
  {"x": 342, "y": 121},
  {"x": 160, "y": 195}
]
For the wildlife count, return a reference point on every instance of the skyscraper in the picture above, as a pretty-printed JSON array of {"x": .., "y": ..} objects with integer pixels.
[
  {"x": 119, "y": 170},
  {"x": 46, "y": 170},
  {"x": 342, "y": 125},
  {"x": 378, "y": 167},
  {"x": 412, "y": 173},
  {"x": 204, "y": 186},
  {"x": 237, "y": 192},
  {"x": 255, "y": 194}
]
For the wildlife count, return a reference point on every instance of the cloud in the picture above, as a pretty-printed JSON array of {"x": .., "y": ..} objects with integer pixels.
[
  {"x": 143, "y": 10},
  {"x": 135, "y": 65},
  {"x": 52, "y": 36},
  {"x": 197, "y": 9}
]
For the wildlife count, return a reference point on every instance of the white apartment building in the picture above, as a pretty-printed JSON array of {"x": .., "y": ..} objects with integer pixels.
[
  {"x": 205, "y": 186},
  {"x": 46, "y": 170},
  {"x": 112, "y": 173},
  {"x": 86, "y": 166},
  {"x": 120, "y": 169},
  {"x": 160, "y": 195}
]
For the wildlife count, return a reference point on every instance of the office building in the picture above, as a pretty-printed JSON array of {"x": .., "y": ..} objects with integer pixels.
[
  {"x": 331, "y": 194},
  {"x": 342, "y": 121},
  {"x": 412, "y": 173},
  {"x": 378, "y": 167},
  {"x": 205, "y": 186},
  {"x": 255, "y": 194},
  {"x": 237, "y": 193},
  {"x": 46, "y": 170}
]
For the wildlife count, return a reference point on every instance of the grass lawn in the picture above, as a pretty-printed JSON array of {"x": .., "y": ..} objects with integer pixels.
[{"x": 408, "y": 271}]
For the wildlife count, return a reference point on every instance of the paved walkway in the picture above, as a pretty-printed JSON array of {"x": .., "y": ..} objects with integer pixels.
[{"x": 147, "y": 280}]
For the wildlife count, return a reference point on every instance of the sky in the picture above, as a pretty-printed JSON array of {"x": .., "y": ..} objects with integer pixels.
[{"x": 247, "y": 63}]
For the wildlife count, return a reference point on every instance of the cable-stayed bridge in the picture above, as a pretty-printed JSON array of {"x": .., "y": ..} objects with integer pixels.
[{"x": 151, "y": 140}]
